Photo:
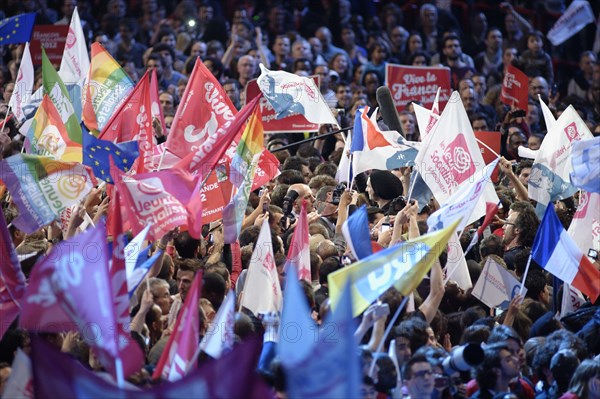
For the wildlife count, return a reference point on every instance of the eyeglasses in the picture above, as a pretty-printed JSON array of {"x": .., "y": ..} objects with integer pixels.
[
  {"x": 508, "y": 223},
  {"x": 423, "y": 373}
]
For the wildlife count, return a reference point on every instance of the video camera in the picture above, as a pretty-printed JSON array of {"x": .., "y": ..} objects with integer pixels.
[
  {"x": 288, "y": 205},
  {"x": 337, "y": 193}
]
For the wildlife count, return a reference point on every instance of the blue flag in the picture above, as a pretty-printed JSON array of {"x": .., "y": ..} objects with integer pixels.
[
  {"x": 356, "y": 233},
  {"x": 585, "y": 157},
  {"x": 297, "y": 329},
  {"x": 16, "y": 29},
  {"x": 96, "y": 152},
  {"x": 332, "y": 370},
  {"x": 142, "y": 266}
]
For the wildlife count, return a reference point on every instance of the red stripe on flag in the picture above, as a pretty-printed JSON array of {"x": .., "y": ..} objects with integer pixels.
[{"x": 587, "y": 279}]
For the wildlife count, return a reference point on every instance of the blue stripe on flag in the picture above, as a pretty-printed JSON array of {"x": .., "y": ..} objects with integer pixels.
[{"x": 547, "y": 237}]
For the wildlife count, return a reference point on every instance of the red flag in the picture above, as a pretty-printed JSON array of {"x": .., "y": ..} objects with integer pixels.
[
  {"x": 129, "y": 350},
  {"x": 133, "y": 121},
  {"x": 208, "y": 154},
  {"x": 203, "y": 109},
  {"x": 515, "y": 88},
  {"x": 12, "y": 279},
  {"x": 183, "y": 342},
  {"x": 162, "y": 198}
]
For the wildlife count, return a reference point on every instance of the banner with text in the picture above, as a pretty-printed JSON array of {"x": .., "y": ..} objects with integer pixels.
[
  {"x": 52, "y": 38},
  {"x": 408, "y": 83}
]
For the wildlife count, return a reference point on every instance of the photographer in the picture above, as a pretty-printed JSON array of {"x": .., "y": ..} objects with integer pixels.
[{"x": 383, "y": 186}]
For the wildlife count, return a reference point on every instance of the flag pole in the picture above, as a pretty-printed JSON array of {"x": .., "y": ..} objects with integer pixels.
[
  {"x": 119, "y": 372},
  {"x": 525, "y": 275},
  {"x": 162, "y": 157},
  {"x": 285, "y": 147},
  {"x": 7, "y": 116},
  {"x": 387, "y": 331},
  {"x": 488, "y": 147},
  {"x": 410, "y": 190}
]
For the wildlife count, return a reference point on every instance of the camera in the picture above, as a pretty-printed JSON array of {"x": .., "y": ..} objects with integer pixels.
[
  {"x": 592, "y": 253},
  {"x": 288, "y": 205},
  {"x": 397, "y": 205},
  {"x": 463, "y": 358},
  {"x": 337, "y": 193}
]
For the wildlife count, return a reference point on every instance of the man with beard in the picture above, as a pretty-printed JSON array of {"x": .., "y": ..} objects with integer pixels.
[{"x": 519, "y": 230}]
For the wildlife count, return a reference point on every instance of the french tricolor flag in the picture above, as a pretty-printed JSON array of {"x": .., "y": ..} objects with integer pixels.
[{"x": 557, "y": 253}]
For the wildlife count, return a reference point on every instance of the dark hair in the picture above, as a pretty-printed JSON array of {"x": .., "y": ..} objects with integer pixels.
[
  {"x": 290, "y": 176},
  {"x": 164, "y": 47},
  {"x": 491, "y": 245},
  {"x": 535, "y": 284},
  {"x": 485, "y": 373},
  {"x": 407, "y": 368},
  {"x": 213, "y": 288},
  {"x": 328, "y": 266},
  {"x": 415, "y": 329},
  {"x": 186, "y": 246},
  {"x": 502, "y": 333}
]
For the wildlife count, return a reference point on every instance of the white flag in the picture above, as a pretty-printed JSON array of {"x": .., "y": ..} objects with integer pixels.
[
  {"x": 345, "y": 165},
  {"x": 75, "y": 63},
  {"x": 572, "y": 299},
  {"x": 219, "y": 336},
  {"x": 461, "y": 204},
  {"x": 496, "y": 286},
  {"x": 549, "y": 179},
  {"x": 549, "y": 118},
  {"x": 585, "y": 226},
  {"x": 449, "y": 157},
  {"x": 20, "y": 382},
  {"x": 426, "y": 119},
  {"x": 456, "y": 266},
  {"x": 21, "y": 94},
  {"x": 574, "y": 19},
  {"x": 262, "y": 292},
  {"x": 290, "y": 94}
]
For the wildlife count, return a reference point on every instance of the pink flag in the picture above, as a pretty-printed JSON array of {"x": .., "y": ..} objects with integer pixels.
[
  {"x": 12, "y": 280},
  {"x": 299, "y": 254},
  {"x": 130, "y": 352},
  {"x": 133, "y": 121},
  {"x": 162, "y": 198},
  {"x": 203, "y": 109},
  {"x": 183, "y": 342}
]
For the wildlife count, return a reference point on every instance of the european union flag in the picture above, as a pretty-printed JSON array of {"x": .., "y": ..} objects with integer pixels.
[
  {"x": 16, "y": 29},
  {"x": 96, "y": 152}
]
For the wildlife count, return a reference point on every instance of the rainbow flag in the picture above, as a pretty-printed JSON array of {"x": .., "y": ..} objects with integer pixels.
[
  {"x": 57, "y": 91},
  {"x": 43, "y": 187},
  {"x": 107, "y": 87},
  {"x": 48, "y": 136},
  {"x": 243, "y": 167},
  {"x": 402, "y": 266}
]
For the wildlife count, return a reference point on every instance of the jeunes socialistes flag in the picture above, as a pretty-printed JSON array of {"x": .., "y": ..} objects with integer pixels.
[
  {"x": 107, "y": 87},
  {"x": 42, "y": 188},
  {"x": 48, "y": 135},
  {"x": 56, "y": 89},
  {"x": 403, "y": 266}
]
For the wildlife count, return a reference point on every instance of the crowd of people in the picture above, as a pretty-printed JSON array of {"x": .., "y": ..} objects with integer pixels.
[{"x": 529, "y": 351}]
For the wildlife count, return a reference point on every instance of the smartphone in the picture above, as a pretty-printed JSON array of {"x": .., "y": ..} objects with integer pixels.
[
  {"x": 385, "y": 227},
  {"x": 382, "y": 310},
  {"x": 518, "y": 114},
  {"x": 265, "y": 208},
  {"x": 554, "y": 90}
]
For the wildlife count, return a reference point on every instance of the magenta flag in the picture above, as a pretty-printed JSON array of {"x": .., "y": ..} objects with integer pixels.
[
  {"x": 299, "y": 254},
  {"x": 12, "y": 280},
  {"x": 57, "y": 375},
  {"x": 129, "y": 350},
  {"x": 76, "y": 273},
  {"x": 183, "y": 342}
]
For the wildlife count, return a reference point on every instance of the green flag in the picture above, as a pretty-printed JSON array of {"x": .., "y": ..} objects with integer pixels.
[{"x": 57, "y": 91}]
